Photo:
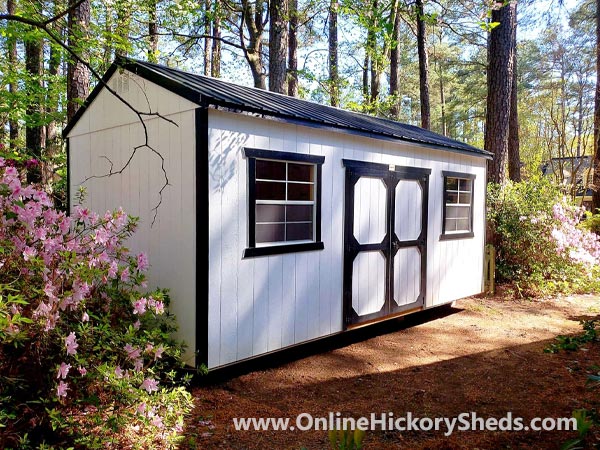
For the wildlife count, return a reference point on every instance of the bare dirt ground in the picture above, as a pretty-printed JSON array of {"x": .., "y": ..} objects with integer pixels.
[{"x": 484, "y": 355}]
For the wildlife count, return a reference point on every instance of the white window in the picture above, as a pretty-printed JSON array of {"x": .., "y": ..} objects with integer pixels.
[{"x": 458, "y": 205}]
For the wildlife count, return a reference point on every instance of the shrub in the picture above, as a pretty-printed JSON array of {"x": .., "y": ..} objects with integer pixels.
[
  {"x": 539, "y": 246},
  {"x": 86, "y": 357}
]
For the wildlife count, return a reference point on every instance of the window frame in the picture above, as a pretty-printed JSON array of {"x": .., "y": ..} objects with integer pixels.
[
  {"x": 252, "y": 154},
  {"x": 449, "y": 235}
]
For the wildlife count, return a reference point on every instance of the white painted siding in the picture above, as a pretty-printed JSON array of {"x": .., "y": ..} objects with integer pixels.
[
  {"x": 262, "y": 304},
  {"x": 109, "y": 130}
]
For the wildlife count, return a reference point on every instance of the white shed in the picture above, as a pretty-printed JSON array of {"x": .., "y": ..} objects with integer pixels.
[{"x": 284, "y": 221}]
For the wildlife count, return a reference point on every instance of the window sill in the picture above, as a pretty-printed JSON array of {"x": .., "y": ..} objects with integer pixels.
[
  {"x": 450, "y": 237},
  {"x": 281, "y": 249}
]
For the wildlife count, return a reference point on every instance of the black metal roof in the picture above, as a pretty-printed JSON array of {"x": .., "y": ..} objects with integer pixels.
[{"x": 208, "y": 91}]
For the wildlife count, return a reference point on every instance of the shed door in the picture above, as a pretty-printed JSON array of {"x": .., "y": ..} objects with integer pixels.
[{"x": 385, "y": 239}]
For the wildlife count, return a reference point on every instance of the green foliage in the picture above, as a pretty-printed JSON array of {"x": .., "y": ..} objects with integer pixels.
[
  {"x": 591, "y": 222},
  {"x": 346, "y": 439},
  {"x": 522, "y": 223},
  {"x": 574, "y": 343}
]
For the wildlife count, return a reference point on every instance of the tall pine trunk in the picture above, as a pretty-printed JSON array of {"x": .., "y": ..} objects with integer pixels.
[
  {"x": 395, "y": 62},
  {"x": 278, "y": 46},
  {"x": 78, "y": 77},
  {"x": 35, "y": 137},
  {"x": 293, "y": 49},
  {"x": 253, "y": 21},
  {"x": 152, "y": 32},
  {"x": 375, "y": 57},
  {"x": 207, "y": 37},
  {"x": 514, "y": 154},
  {"x": 332, "y": 60},
  {"x": 11, "y": 42},
  {"x": 596, "y": 177},
  {"x": 423, "y": 66},
  {"x": 501, "y": 48},
  {"x": 215, "y": 59}
]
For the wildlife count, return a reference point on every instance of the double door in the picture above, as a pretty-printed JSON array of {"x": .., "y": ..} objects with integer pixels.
[{"x": 385, "y": 240}]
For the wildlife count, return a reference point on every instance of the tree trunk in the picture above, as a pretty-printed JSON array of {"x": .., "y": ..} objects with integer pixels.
[
  {"x": 35, "y": 138},
  {"x": 501, "y": 48},
  {"x": 13, "y": 124},
  {"x": 365, "y": 78},
  {"x": 334, "y": 83},
  {"x": 395, "y": 62},
  {"x": 252, "y": 19},
  {"x": 152, "y": 32},
  {"x": 375, "y": 57},
  {"x": 215, "y": 63},
  {"x": 443, "y": 105},
  {"x": 293, "y": 49},
  {"x": 514, "y": 154},
  {"x": 423, "y": 66},
  {"x": 596, "y": 177},
  {"x": 78, "y": 77},
  {"x": 207, "y": 39},
  {"x": 277, "y": 46}
]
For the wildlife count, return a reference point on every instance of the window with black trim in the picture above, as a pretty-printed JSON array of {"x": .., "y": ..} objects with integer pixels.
[
  {"x": 457, "y": 218},
  {"x": 284, "y": 202}
]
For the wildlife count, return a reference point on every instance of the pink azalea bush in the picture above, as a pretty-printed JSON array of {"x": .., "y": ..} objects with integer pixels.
[
  {"x": 81, "y": 346},
  {"x": 541, "y": 247}
]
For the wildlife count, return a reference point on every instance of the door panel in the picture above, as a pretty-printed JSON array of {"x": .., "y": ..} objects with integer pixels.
[
  {"x": 385, "y": 236},
  {"x": 407, "y": 270},
  {"x": 368, "y": 283},
  {"x": 409, "y": 199},
  {"x": 370, "y": 221}
]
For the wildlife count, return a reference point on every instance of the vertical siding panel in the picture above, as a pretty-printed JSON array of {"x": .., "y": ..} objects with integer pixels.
[
  {"x": 327, "y": 262},
  {"x": 315, "y": 308},
  {"x": 245, "y": 267},
  {"x": 229, "y": 246},
  {"x": 214, "y": 232},
  {"x": 337, "y": 237}
]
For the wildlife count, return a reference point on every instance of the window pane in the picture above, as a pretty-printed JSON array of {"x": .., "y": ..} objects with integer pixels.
[
  {"x": 451, "y": 197},
  {"x": 450, "y": 225},
  {"x": 300, "y": 172},
  {"x": 300, "y": 191},
  {"x": 270, "y": 233},
  {"x": 465, "y": 185},
  {"x": 270, "y": 213},
  {"x": 463, "y": 225},
  {"x": 270, "y": 170},
  {"x": 266, "y": 190},
  {"x": 299, "y": 213},
  {"x": 465, "y": 198},
  {"x": 452, "y": 183},
  {"x": 299, "y": 231}
]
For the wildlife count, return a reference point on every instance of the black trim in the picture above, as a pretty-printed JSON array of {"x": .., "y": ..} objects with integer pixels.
[
  {"x": 468, "y": 234},
  {"x": 202, "y": 235},
  {"x": 68, "y": 202},
  {"x": 253, "y": 251},
  {"x": 285, "y": 156},
  {"x": 284, "y": 248},
  {"x": 391, "y": 175}
]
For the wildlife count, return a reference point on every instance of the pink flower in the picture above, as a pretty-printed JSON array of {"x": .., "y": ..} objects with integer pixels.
[
  {"x": 61, "y": 389},
  {"x": 132, "y": 352},
  {"x": 157, "y": 421},
  {"x": 142, "y": 262},
  {"x": 125, "y": 275},
  {"x": 141, "y": 409},
  {"x": 119, "y": 372},
  {"x": 63, "y": 370},
  {"x": 82, "y": 370},
  {"x": 137, "y": 324},
  {"x": 150, "y": 384},
  {"x": 71, "y": 343},
  {"x": 29, "y": 253},
  {"x": 139, "y": 306},
  {"x": 113, "y": 269},
  {"x": 158, "y": 352},
  {"x": 85, "y": 317},
  {"x": 138, "y": 364}
]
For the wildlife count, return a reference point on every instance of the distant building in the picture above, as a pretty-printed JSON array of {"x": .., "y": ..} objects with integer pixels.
[{"x": 574, "y": 172}]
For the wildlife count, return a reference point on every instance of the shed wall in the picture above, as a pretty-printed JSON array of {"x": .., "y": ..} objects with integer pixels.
[
  {"x": 109, "y": 130},
  {"x": 258, "y": 305}
]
